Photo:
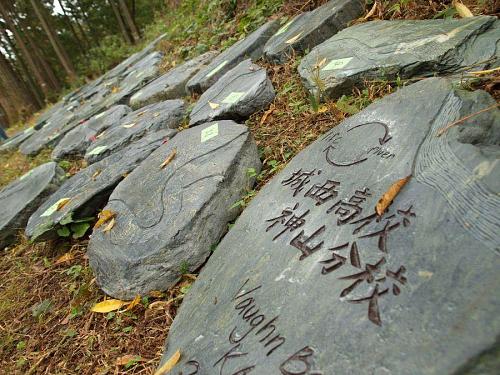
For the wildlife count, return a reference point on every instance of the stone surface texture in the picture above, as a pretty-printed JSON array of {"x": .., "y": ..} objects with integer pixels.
[
  {"x": 310, "y": 280},
  {"x": 163, "y": 115},
  {"x": 21, "y": 198},
  {"x": 75, "y": 143},
  {"x": 309, "y": 29},
  {"x": 171, "y": 85},
  {"x": 250, "y": 47},
  {"x": 186, "y": 210},
  {"x": 242, "y": 91},
  {"x": 90, "y": 188},
  {"x": 404, "y": 49}
]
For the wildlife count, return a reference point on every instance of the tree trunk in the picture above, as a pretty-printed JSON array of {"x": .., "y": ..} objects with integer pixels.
[
  {"x": 54, "y": 40},
  {"x": 119, "y": 18},
  {"x": 36, "y": 69},
  {"x": 81, "y": 44},
  {"x": 130, "y": 21}
]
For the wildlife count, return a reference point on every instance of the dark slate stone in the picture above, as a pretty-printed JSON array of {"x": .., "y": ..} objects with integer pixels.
[
  {"x": 171, "y": 85},
  {"x": 242, "y": 91},
  {"x": 403, "y": 49},
  {"x": 75, "y": 143},
  {"x": 168, "y": 218},
  {"x": 14, "y": 141},
  {"x": 90, "y": 188},
  {"x": 250, "y": 47},
  {"x": 310, "y": 281},
  {"x": 307, "y": 30},
  {"x": 21, "y": 198},
  {"x": 163, "y": 115}
]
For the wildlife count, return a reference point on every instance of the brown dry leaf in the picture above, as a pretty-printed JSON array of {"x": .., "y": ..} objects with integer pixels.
[
  {"x": 126, "y": 359},
  {"x": 390, "y": 194},
  {"x": 169, "y": 158},
  {"x": 63, "y": 202},
  {"x": 133, "y": 304},
  {"x": 108, "y": 305},
  {"x": 104, "y": 217},
  {"x": 110, "y": 225},
  {"x": 64, "y": 258},
  {"x": 213, "y": 105},
  {"x": 266, "y": 114},
  {"x": 141, "y": 113},
  {"x": 96, "y": 173},
  {"x": 156, "y": 294},
  {"x": 169, "y": 365},
  {"x": 372, "y": 11},
  {"x": 462, "y": 10}
]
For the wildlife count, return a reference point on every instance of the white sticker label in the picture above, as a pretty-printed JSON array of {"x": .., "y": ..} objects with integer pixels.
[
  {"x": 98, "y": 150},
  {"x": 337, "y": 64},
  {"x": 233, "y": 97},
  {"x": 210, "y": 132},
  {"x": 219, "y": 67},
  {"x": 49, "y": 211}
]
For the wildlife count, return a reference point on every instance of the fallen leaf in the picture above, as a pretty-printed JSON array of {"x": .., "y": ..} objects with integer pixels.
[
  {"x": 462, "y": 10},
  {"x": 141, "y": 113},
  {"x": 169, "y": 158},
  {"x": 104, "y": 217},
  {"x": 390, "y": 194},
  {"x": 323, "y": 108},
  {"x": 294, "y": 39},
  {"x": 156, "y": 114},
  {"x": 101, "y": 134},
  {"x": 128, "y": 126},
  {"x": 169, "y": 365},
  {"x": 213, "y": 105},
  {"x": 156, "y": 294},
  {"x": 110, "y": 225},
  {"x": 63, "y": 202},
  {"x": 133, "y": 304},
  {"x": 115, "y": 89},
  {"x": 372, "y": 11},
  {"x": 108, "y": 305},
  {"x": 64, "y": 258},
  {"x": 96, "y": 173},
  {"x": 129, "y": 358},
  {"x": 321, "y": 63},
  {"x": 266, "y": 114}
]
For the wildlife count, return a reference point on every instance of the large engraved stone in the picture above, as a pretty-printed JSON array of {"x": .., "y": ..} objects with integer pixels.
[
  {"x": 311, "y": 281},
  {"x": 307, "y": 30},
  {"x": 404, "y": 49},
  {"x": 242, "y": 91},
  {"x": 75, "y": 143},
  {"x": 167, "y": 114},
  {"x": 21, "y": 198},
  {"x": 88, "y": 190},
  {"x": 171, "y": 85},
  {"x": 170, "y": 213},
  {"x": 250, "y": 47}
]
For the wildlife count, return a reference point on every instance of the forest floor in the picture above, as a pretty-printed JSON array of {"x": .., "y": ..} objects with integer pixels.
[{"x": 48, "y": 289}]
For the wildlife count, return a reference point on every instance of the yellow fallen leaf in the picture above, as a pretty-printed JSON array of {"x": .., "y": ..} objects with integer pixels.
[
  {"x": 462, "y": 10},
  {"x": 141, "y": 113},
  {"x": 294, "y": 39},
  {"x": 115, "y": 89},
  {"x": 169, "y": 365},
  {"x": 96, "y": 173},
  {"x": 108, "y": 305},
  {"x": 64, "y": 258},
  {"x": 134, "y": 303},
  {"x": 128, "y": 126},
  {"x": 213, "y": 105},
  {"x": 110, "y": 225},
  {"x": 390, "y": 194},
  {"x": 169, "y": 158},
  {"x": 323, "y": 108},
  {"x": 156, "y": 294},
  {"x": 104, "y": 217},
  {"x": 63, "y": 202},
  {"x": 101, "y": 134},
  {"x": 129, "y": 358},
  {"x": 321, "y": 63}
]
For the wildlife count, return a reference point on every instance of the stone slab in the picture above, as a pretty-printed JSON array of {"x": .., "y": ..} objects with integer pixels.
[
  {"x": 75, "y": 142},
  {"x": 13, "y": 142},
  {"x": 171, "y": 85},
  {"x": 163, "y": 115},
  {"x": 21, "y": 198},
  {"x": 243, "y": 90},
  {"x": 310, "y": 281},
  {"x": 250, "y": 47},
  {"x": 168, "y": 218},
  {"x": 404, "y": 49},
  {"x": 89, "y": 189},
  {"x": 309, "y": 29}
]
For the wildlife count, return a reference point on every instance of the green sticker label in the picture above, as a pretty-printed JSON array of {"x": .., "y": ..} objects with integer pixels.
[
  {"x": 284, "y": 27},
  {"x": 233, "y": 97},
  {"x": 215, "y": 70},
  {"x": 210, "y": 132},
  {"x": 49, "y": 211},
  {"x": 337, "y": 64},
  {"x": 98, "y": 150}
]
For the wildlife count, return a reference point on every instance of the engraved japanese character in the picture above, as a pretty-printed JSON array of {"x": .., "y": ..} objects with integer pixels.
[
  {"x": 303, "y": 243},
  {"x": 323, "y": 193},
  {"x": 339, "y": 260},
  {"x": 368, "y": 275},
  {"x": 299, "y": 179},
  {"x": 288, "y": 219},
  {"x": 350, "y": 209},
  {"x": 373, "y": 309}
]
